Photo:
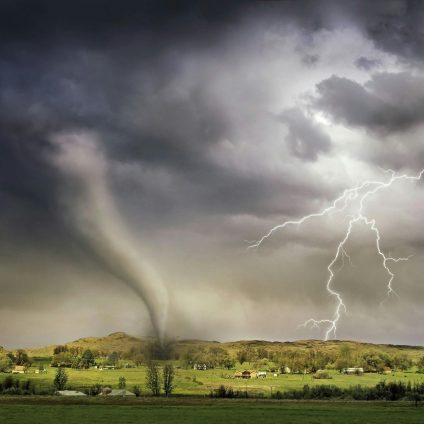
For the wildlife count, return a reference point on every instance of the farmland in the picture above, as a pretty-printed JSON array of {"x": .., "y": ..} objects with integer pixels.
[
  {"x": 186, "y": 410},
  {"x": 190, "y": 400},
  {"x": 194, "y": 382},
  {"x": 266, "y": 356}
]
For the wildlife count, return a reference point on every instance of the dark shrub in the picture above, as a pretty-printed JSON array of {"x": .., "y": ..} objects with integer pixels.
[{"x": 93, "y": 390}]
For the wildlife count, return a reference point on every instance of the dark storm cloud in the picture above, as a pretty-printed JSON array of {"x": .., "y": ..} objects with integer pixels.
[
  {"x": 90, "y": 22},
  {"x": 306, "y": 139},
  {"x": 110, "y": 68},
  {"x": 396, "y": 26},
  {"x": 106, "y": 67},
  {"x": 388, "y": 103},
  {"x": 170, "y": 91}
]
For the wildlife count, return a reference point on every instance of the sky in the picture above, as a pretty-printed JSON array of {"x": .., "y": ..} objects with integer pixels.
[{"x": 144, "y": 145}]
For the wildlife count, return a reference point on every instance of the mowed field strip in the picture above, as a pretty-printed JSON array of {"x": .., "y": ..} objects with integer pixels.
[{"x": 46, "y": 410}]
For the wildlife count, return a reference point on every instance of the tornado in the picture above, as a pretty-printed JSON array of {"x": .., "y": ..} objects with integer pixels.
[{"x": 96, "y": 218}]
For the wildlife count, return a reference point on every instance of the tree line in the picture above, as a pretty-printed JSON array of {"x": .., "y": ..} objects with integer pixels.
[
  {"x": 389, "y": 391},
  {"x": 297, "y": 360}
]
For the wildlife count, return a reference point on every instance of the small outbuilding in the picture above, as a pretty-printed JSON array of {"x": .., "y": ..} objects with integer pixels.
[
  {"x": 19, "y": 369},
  {"x": 119, "y": 392},
  {"x": 70, "y": 393},
  {"x": 107, "y": 367},
  {"x": 353, "y": 371},
  {"x": 249, "y": 374},
  {"x": 200, "y": 367}
]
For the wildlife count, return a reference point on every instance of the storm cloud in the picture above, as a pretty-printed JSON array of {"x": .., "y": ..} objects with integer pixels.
[
  {"x": 305, "y": 138},
  {"x": 388, "y": 103},
  {"x": 217, "y": 122}
]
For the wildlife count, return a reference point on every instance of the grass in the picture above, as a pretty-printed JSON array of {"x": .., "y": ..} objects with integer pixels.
[
  {"x": 191, "y": 403},
  {"x": 176, "y": 410},
  {"x": 193, "y": 382}
]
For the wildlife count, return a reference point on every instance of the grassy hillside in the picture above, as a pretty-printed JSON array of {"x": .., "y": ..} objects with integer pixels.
[
  {"x": 122, "y": 342},
  {"x": 118, "y": 342}
]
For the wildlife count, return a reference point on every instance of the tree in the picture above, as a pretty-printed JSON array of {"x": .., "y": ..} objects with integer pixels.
[
  {"x": 242, "y": 356},
  {"x": 262, "y": 353},
  {"x": 420, "y": 364},
  {"x": 60, "y": 349},
  {"x": 22, "y": 358},
  {"x": 415, "y": 397},
  {"x": 344, "y": 359},
  {"x": 138, "y": 359},
  {"x": 60, "y": 379},
  {"x": 402, "y": 362},
  {"x": 189, "y": 358},
  {"x": 316, "y": 360},
  {"x": 168, "y": 379},
  {"x": 87, "y": 359},
  {"x": 298, "y": 362},
  {"x": 122, "y": 383},
  {"x": 11, "y": 356},
  {"x": 66, "y": 359},
  {"x": 373, "y": 361},
  {"x": 5, "y": 363},
  {"x": 137, "y": 390},
  {"x": 153, "y": 378},
  {"x": 228, "y": 363},
  {"x": 113, "y": 358},
  {"x": 216, "y": 356}
]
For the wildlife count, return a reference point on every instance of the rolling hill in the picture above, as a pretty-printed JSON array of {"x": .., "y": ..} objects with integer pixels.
[{"x": 122, "y": 342}]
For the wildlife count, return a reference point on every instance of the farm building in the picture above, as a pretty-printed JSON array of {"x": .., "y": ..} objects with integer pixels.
[
  {"x": 387, "y": 370},
  {"x": 118, "y": 392},
  {"x": 70, "y": 393},
  {"x": 19, "y": 369},
  {"x": 353, "y": 370},
  {"x": 249, "y": 374},
  {"x": 200, "y": 367},
  {"x": 107, "y": 367}
]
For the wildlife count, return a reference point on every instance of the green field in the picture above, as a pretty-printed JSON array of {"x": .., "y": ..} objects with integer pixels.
[
  {"x": 193, "y": 382},
  {"x": 92, "y": 410},
  {"x": 190, "y": 402}
]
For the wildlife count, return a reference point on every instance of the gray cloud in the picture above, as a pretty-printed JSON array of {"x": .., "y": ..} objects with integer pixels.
[
  {"x": 397, "y": 27},
  {"x": 367, "y": 64},
  {"x": 387, "y": 103},
  {"x": 306, "y": 139}
]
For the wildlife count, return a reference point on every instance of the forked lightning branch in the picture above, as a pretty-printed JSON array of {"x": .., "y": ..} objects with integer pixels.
[{"x": 349, "y": 197}]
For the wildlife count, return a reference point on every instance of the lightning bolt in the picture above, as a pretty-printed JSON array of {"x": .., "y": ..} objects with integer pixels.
[{"x": 360, "y": 194}]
